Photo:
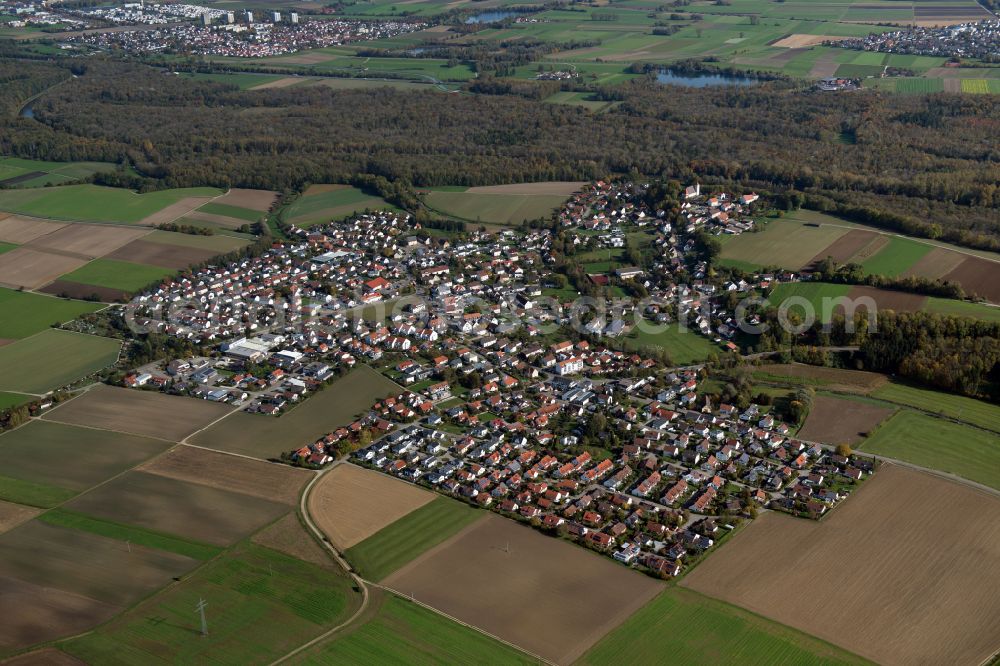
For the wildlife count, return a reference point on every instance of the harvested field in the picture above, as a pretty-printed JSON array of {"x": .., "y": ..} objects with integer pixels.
[
  {"x": 70, "y": 457},
  {"x": 266, "y": 437},
  {"x": 69, "y": 289},
  {"x": 846, "y": 246},
  {"x": 553, "y": 187},
  {"x": 936, "y": 263},
  {"x": 979, "y": 277},
  {"x": 254, "y": 199},
  {"x": 789, "y": 243},
  {"x": 87, "y": 240},
  {"x": 21, "y": 230},
  {"x": 797, "y": 41},
  {"x": 545, "y": 595},
  {"x": 280, "y": 83},
  {"x": 288, "y": 536},
  {"x": 190, "y": 510},
  {"x": 904, "y": 572},
  {"x": 217, "y": 243},
  {"x": 28, "y": 268},
  {"x": 900, "y": 301},
  {"x": 849, "y": 380},
  {"x": 839, "y": 421},
  {"x": 146, "y": 413},
  {"x": 12, "y": 515},
  {"x": 44, "y": 613},
  {"x": 349, "y": 504},
  {"x": 83, "y": 563},
  {"x": 161, "y": 254},
  {"x": 270, "y": 481},
  {"x": 174, "y": 211}
]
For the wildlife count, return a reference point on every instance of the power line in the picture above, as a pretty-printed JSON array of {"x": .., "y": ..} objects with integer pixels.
[{"x": 201, "y": 610}]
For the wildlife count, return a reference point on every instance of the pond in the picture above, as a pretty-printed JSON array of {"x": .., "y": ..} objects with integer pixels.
[
  {"x": 490, "y": 17},
  {"x": 28, "y": 111},
  {"x": 668, "y": 76}
]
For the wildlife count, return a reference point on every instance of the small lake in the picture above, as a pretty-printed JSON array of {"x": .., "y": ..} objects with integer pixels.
[
  {"x": 28, "y": 111},
  {"x": 490, "y": 17},
  {"x": 670, "y": 77}
]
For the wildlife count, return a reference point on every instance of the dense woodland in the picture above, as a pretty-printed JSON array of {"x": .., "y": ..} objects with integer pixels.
[{"x": 927, "y": 163}]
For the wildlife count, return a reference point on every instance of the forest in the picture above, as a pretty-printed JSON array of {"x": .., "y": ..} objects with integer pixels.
[{"x": 927, "y": 164}]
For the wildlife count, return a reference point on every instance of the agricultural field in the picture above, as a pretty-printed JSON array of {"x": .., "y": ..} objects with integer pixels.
[
  {"x": 124, "y": 276},
  {"x": 404, "y": 632},
  {"x": 26, "y": 314},
  {"x": 938, "y": 444},
  {"x": 66, "y": 580},
  {"x": 146, "y": 413},
  {"x": 839, "y": 421},
  {"x": 683, "y": 346},
  {"x": 502, "y": 204},
  {"x": 350, "y": 503},
  {"x": 93, "y": 203},
  {"x": 266, "y": 437},
  {"x": 270, "y": 481},
  {"x": 322, "y": 203},
  {"x": 261, "y": 605},
  {"x": 542, "y": 591},
  {"x": 53, "y": 358},
  {"x": 19, "y": 172},
  {"x": 976, "y": 412},
  {"x": 851, "y": 381},
  {"x": 70, "y": 457},
  {"x": 693, "y": 628},
  {"x": 414, "y": 533},
  {"x": 12, "y": 515},
  {"x": 895, "y": 574},
  {"x": 188, "y": 510},
  {"x": 788, "y": 244},
  {"x": 289, "y": 536}
]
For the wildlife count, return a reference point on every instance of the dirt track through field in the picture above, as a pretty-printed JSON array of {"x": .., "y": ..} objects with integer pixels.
[
  {"x": 904, "y": 572},
  {"x": 547, "y": 596},
  {"x": 174, "y": 211},
  {"x": 349, "y": 504},
  {"x": 270, "y": 481},
  {"x": 839, "y": 421}
]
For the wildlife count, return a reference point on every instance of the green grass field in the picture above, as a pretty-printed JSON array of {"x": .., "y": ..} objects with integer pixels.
[
  {"x": 332, "y": 204},
  {"x": 494, "y": 208},
  {"x": 232, "y": 211},
  {"x": 820, "y": 296},
  {"x": 53, "y": 358},
  {"x": 896, "y": 258},
  {"x": 7, "y": 247},
  {"x": 267, "y": 437},
  {"x": 33, "y": 494},
  {"x": 947, "y": 306},
  {"x": 116, "y": 274},
  {"x": 683, "y": 346},
  {"x": 94, "y": 203},
  {"x": 393, "y": 546},
  {"x": 25, "y": 313},
  {"x": 55, "y": 173},
  {"x": 261, "y": 605},
  {"x": 403, "y": 632},
  {"x": 938, "y": 444},
  {"x": 8, "y": 400},
  {"x": 785, "y": 243},
  {"x": 242, "y": 81},
  {"x": 133, "y": 535},
  {"x": 683, "y": 627},
  {"x": 977, "y": 412}
]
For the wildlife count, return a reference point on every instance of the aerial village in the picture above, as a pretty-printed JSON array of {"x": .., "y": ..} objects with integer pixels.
[{"x": 507, "y": 398}]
